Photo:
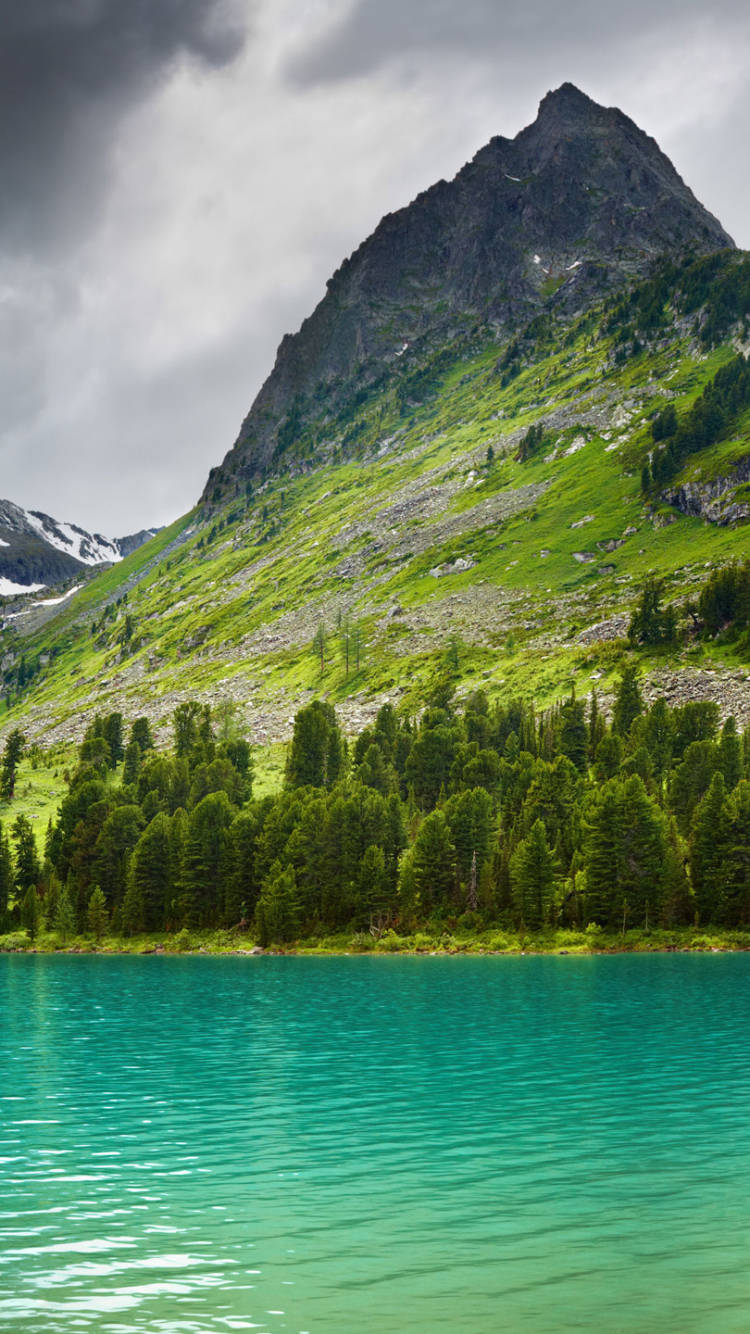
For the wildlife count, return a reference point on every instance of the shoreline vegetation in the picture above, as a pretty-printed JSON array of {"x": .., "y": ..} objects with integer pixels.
[
  {"x": 486, "y": 830},
  {"x": 687, "y": 940}
]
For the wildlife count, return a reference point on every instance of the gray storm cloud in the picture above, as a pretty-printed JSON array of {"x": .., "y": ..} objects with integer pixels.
[
  {"x": 178, "y": 179},
  {"x": 372, "y": 32},
  {"x": 69, "y": 69}
]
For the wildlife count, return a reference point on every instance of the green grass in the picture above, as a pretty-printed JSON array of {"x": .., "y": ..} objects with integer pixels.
[
  {"x": 494, "y": 940},
  {"x": 243, "y": 608}
]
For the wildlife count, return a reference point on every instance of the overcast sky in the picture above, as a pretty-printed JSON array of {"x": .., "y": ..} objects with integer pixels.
[{"x": 180, "y": 177}]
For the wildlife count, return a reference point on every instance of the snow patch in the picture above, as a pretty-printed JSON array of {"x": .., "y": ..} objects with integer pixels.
[
  {"x": 8, "y": 588},
  {"x": 55, "y": 602}
]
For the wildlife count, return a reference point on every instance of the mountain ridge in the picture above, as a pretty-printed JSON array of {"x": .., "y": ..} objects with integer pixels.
[
  {"x": 37, "y": 551},
  {"x": 578, "y": 199}
]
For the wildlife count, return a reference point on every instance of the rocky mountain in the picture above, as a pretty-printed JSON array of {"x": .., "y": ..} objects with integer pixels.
[
  {"x": 574, "y": 202},
  {"x": 480, "y": 506},
  {"x": 37, "y": 551}
]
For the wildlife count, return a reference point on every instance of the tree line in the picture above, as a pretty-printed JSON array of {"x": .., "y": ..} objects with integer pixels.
[{"x": 495, "y": 814}]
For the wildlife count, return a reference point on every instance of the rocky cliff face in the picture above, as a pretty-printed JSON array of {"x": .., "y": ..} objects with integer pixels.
[
  {"x": 721, "y": 501},
  {"x": 37, "y": 551},
  {"x": 580, "y": 196}
]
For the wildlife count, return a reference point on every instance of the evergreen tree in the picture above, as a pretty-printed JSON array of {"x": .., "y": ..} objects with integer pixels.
[
  {"x": 97, "y": 914},
  {"x": 140, "y": 733},
  {"x": 316, "y": 754},
  {"x": 119, "y": 835},
  {"x": 320, "y": 644},
  {"x": 533, "y": 875},
  {"x": 651, "y": 623},
  {"x": 177, "y": 908},
  {"x": 709, "y": 851},
  {"x": 277, "y": 916},
  {"x": 597, "y": 727},
  {"x": 730, "y": 754},
  {"x": 112, "y": 732},
  {"x": 609, "y": 755},
  {"x": 205, "y": 862},
  {"x": 31, "y": 913},
  {"x": 12, "y": 755},
  {"x": 28, "y": 868},
  {"x": 374, "y": 772},
  {"x": 573, "y": 734},
  {"x": 737, "y": 883},
  {"x": 628, "y": 701},
  {"x": 603, "y": 857},
  {"x": 433, "y": 862},
  {"x": 7, "y": 879},
  {"x": 659, "y": 737},
  {"x": 65, "y": 918},
  {"x": 470, "y": 825},
  {"x": 133, "y": 910},
  {"x": 691, "y": 780},
  {"x": 643, "y": 851},
  {"x": 150, "y": 869},
  {"x": 185, "y": 718},
  {"x": 372, "y": 885},
  {"x": 132, "y": 763}
]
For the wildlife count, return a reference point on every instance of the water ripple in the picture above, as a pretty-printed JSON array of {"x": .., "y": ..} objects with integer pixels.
[{"x": 379, "y": 1146}]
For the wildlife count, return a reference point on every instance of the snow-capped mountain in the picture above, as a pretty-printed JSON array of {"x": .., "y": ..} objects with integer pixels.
[{"x": 37, "y": 551}]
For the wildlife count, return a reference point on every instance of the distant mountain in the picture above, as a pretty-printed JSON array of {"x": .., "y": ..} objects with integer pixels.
[
  {"x": 37, "y": 550},
  {"x": 577, "y": 200}
]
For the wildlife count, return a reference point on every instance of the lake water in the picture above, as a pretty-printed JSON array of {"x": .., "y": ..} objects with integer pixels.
[{"x": 375, "y": 1145}]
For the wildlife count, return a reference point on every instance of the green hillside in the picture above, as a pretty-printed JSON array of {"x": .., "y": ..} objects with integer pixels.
[{"x": 415, "y": 531}]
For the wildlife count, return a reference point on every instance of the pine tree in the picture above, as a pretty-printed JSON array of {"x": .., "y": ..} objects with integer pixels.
[
  {"x": 608, "y": 757},
  {"x": 112, "y": 732},
  {"x": 132, "y": 763},
  {"x": 65, "y": 918},
  {"x": 140, "y": 732},
  {"x": 372, "y": 885},
  {"x": 31, "y": 912},
  {"x": 28, "y": 868},
  {"x": 185, "y": 719},
  {"x": 277, "y": 916},
  {"x": 320, "y": 644},
  {"x": 316, "y": 753},
  {"x": 643, "y": 850},
  {"x": 133, "y": 912},
  {"x": 573, "y": 736},
  {"x": 12, "y": 755},
  {"x": 97, "y": 913},
  {"x": 603, "y": 857},
  {"x": 150, "y": 870},
  {"x": 434, "y": 857},
  {"x": 533, "y": 873},
  {"x": 737, "y": 885},
  {"x": 7, "y": 881},
  {"x": 730, "y": 754},
  {"x": 597, "y": 726},
  {"x": 659, "y": 737},
  {"x": 709, "y": 851},
  {"x": 628, "y": 701}
]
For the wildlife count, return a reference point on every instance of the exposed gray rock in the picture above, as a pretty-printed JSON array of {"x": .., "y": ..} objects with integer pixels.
[
  {"x": 582, "y": 194},
  {"x": 713, "y": 501}
]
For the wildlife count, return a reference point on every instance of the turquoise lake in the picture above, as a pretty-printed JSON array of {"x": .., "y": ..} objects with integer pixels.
[{"x": 375, "y": 1145}]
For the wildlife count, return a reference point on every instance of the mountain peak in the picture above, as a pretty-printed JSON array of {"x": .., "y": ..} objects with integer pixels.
[{"x": 581, "y": 193}]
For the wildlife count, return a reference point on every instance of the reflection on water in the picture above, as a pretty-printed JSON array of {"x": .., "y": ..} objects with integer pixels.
[{"x": 375, "y": 1146}]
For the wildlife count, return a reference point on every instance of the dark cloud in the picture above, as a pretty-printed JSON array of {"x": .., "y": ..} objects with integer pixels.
[
  {"x": 374, "y": 32},
  {"x": 69, "y": 70}
]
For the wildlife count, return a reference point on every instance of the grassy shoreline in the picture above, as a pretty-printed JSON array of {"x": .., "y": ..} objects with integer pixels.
[{"x": 496, "y": 942}]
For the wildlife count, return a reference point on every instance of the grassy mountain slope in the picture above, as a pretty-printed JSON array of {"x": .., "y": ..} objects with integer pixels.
[{"x": 516, "y": 576}]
